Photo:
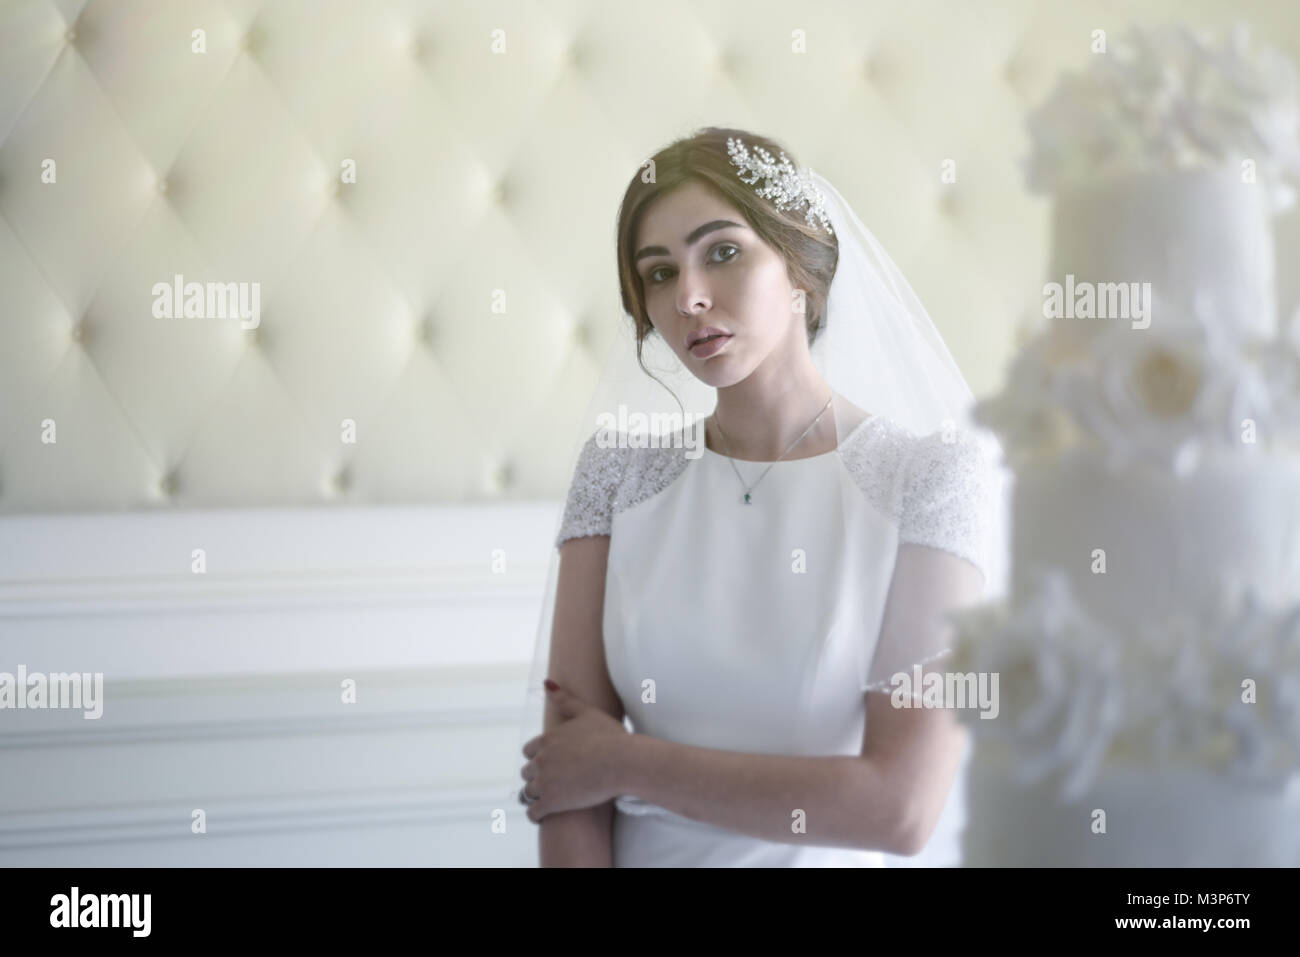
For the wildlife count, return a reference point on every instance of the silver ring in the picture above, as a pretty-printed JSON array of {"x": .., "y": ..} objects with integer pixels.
[{"x": 525, "y": 797}]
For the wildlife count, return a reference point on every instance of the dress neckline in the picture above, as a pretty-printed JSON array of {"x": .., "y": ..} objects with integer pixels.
[{"x": 848, "y": 439}]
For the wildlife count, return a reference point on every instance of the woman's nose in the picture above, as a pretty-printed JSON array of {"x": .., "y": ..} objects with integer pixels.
[{"x": 692, "y": 292}]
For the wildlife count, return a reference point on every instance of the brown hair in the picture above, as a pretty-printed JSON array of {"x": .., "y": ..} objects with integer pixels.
[{"x": 810, "y": 253}]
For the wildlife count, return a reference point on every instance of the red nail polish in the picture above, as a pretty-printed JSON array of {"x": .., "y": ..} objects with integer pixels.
[{"x": 551, "y": 685}]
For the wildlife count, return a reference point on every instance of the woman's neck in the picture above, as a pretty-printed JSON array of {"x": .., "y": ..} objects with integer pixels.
[{"x": 761, "y": 426}]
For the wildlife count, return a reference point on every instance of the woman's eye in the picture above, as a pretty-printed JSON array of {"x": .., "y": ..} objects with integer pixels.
[{"x": 651, "y": 277}]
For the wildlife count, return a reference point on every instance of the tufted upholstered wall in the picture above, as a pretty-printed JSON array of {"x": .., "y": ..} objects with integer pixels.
[
  {"x": 476, "y": 172},
  {"x": 481, "y": 177}
]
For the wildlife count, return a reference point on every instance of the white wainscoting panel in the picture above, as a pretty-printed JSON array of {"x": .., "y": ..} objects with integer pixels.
[{"x": 224, "y": 691}]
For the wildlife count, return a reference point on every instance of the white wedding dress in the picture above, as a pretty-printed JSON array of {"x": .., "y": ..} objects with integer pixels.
[{"x": 756, "y": 625}]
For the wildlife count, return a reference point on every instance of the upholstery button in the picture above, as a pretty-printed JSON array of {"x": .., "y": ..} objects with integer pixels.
[
  {"x": 342, "y": 480},
  {"x": 163, "y": 186},
  {"x": 879, "y": 68},
  {"x": 501, "y": 193},
  {"x": 80, "y": 333},
  {"x": 502, "y": 477},
  {"x": 168, "y": 484},
  {"x": 70, "y": 35}
]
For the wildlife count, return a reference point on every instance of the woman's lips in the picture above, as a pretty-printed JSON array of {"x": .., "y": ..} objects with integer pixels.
[{"x": 710, "y": 346}]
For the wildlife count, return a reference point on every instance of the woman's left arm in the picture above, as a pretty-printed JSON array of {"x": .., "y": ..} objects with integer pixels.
[
  {"x": 835, "y": 801},
  {"x": 920, "y": 749}
]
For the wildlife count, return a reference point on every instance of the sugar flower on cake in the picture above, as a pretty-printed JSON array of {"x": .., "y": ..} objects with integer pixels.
[
  {"x": 1025, "y": 414},
  {"x": 1170, "y": 97},
  {"x": 1199, "y": 667},
  {"x": 1060, "y": 681},
  {"x": 1275, "y": 393},
  {"x": 1075, "y": 692},
  {"x": 1158, "y": 395},
  {"x": 1163, "y": 395},
  {"x": 1265, "y": 647}
]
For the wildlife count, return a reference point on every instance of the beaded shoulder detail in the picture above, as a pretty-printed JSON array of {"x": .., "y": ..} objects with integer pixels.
[
  {"x": 610, "y": 477},
  {"x": 874, "y": 456},
  {"x": 942, "y": 489}
]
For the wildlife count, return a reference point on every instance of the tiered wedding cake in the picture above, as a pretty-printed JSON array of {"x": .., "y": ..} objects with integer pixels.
[{"x": 1148, "y": 651}]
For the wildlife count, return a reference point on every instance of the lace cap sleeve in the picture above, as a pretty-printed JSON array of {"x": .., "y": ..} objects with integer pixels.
[
  {"x": 950, "y": 494},
  {"x": 596, "y": 478},
  {"x": 948, "y": 498}
]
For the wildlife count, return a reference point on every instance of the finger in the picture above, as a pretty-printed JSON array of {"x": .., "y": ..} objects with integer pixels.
[
  {"x": 530, "y": 749},
  {"x": 528, "y": 771},
  {"x": 567, "y": 703}
]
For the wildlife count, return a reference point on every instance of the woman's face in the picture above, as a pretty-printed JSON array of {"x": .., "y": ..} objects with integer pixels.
[{"x": 704, "y": 271}]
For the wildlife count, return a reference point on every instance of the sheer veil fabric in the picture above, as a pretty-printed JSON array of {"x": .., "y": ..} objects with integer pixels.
[{"x": 878, "y": 349}]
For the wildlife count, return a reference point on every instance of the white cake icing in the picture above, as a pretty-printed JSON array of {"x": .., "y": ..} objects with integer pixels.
[
  {"x": 1167, "y": 99},
  {"x": 1173, "y": 817},
  {"x": 1168, "y": 544},
  {"x": 1149, "y": 649},
  {"x": 1201, "y": 237}
]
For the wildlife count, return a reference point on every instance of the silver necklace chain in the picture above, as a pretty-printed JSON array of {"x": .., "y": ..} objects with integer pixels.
[{"x": 726, "y": 447}]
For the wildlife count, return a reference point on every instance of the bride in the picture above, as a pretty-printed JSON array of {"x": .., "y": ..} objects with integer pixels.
[{"x": 745, "y": 609}]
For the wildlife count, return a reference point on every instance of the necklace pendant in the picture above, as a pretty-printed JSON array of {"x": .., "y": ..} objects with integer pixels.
[{"x": 747, "y": 501}]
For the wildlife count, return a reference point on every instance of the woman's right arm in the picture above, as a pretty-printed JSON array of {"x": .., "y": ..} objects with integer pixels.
[{"x": 582, "y": 838}]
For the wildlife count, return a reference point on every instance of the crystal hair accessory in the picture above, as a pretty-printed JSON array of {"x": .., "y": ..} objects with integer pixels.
[{"x": 786, "y": 186}]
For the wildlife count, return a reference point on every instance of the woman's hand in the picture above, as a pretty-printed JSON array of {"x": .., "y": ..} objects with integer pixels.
[{"x": 579, "y": 763}]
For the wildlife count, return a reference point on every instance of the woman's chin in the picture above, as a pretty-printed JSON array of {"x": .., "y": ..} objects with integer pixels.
[{"x": 717, "y": 376}]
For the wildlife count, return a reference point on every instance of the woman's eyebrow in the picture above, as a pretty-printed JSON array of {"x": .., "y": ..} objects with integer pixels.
[{"x": 694, "y": 237}]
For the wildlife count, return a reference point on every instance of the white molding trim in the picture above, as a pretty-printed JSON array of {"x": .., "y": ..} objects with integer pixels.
[
  {"x": 290, "y": 704},
  {"x": 458, "y": 584},
  {"x": 270, "y": 814},
  {"x": 464, "y": 719},
  {"x": 56, "y": 566},
  {"x": 259, "y": 728},
  {"x": 284, "y": 589}
]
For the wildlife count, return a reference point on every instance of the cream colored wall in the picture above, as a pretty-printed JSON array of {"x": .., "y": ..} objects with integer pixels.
[{"x": 476, "y": 171}]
